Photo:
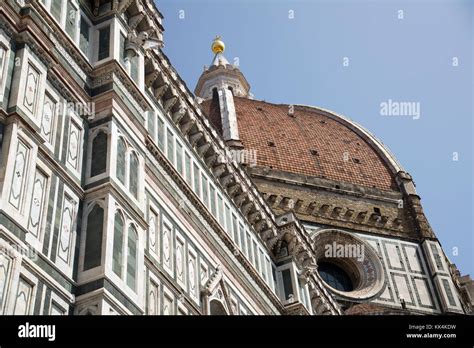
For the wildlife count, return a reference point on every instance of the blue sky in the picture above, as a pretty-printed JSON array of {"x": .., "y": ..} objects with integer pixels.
[{"x": 300, "y": 60}]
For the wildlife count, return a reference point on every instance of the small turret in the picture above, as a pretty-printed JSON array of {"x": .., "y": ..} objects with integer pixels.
[
  {"x": 221, "y": 75},
  {"x": 222, "y": 81}
]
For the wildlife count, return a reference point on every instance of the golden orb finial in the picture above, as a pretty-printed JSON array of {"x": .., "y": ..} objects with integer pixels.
[{"x": 218, "y": 45}]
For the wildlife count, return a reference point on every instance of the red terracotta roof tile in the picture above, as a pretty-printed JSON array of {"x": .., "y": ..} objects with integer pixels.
[{"x": 308, "y": 143}]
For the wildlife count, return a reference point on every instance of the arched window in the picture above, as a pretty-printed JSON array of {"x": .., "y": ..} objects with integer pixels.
[
  {"x": 117, "y": 257},
  {"x": 93, "y": 249},
  {"x": 128, "y": 166},
  {"x": 132, "y": 257},
  {"x": 134, "y": 167},
  {"x": 121, "y": 153},
  {"x": 99, "y": 154},
  {"x": 216, "y": 308}
]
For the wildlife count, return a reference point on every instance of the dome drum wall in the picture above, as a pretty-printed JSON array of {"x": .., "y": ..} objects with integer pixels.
[
  {"x": 354, "y": 256},
  {"x": 412, "y": 276},
  {"x": 349, "y": 206}
]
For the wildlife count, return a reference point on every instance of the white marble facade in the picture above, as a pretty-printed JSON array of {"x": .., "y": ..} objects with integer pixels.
[
  {"x": 107, "y": 207},
  {"x": 408, "y": 274}
]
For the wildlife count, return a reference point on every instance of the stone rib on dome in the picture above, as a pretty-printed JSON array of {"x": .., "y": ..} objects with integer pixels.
[{"x": 310, "y": 141}]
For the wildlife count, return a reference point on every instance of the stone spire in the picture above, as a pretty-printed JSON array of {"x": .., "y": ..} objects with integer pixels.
[{"x": 222, "y": 82}]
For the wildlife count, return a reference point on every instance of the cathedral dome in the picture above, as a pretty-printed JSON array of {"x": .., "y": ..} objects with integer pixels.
[{"x": 310, "y": 141}]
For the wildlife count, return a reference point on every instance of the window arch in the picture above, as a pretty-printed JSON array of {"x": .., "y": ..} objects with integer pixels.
[
  {"x": 217, "y": 308},
  {"x": 133, "y": 177},
  {"x": 121, "y": 160},
  {"x": 128, "y": 167},
  {"x": 93, "y": 247},
  {"x": 117, "y": 249},
  {"x": 132, "y": 256},
  {"x": 99, "y": 153}
]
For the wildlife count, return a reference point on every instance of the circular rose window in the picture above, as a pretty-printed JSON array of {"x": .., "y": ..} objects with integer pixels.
[{"x": 348, "y": 265}]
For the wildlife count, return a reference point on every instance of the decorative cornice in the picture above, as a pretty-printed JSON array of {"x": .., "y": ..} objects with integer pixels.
[
  {"x": 112, "y": 72},
  {"x": 6, "y": 26}
]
